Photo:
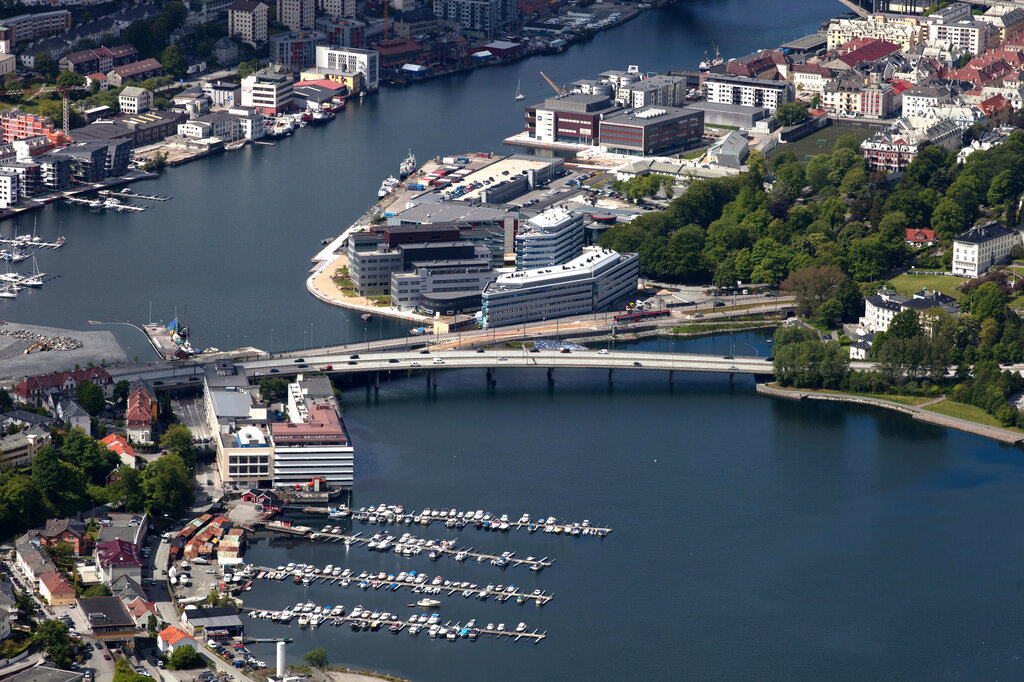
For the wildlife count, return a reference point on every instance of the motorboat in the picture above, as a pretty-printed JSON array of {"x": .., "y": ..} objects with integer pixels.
[{"x": 428, "y": 603}]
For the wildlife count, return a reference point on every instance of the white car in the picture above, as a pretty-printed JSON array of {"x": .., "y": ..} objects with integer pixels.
[
  {"x": 603, "y": 351},
  {"x": 438, "y": 361}
]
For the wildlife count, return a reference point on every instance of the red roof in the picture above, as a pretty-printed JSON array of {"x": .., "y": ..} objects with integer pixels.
[
  {"x": 139, "y": 607},
  {"x": 899, "y": 85},
  {"x": 115, "y": 442},
  {"x": 136, "y": 68},
  {"x": 813, "y": 68},
  {"x": 921, "y": 236},
  {"x": 323, "y": 83},
  {"x": 140, "y": 408},
  {"x": 118, "y": 553},
  {"x": 56, "y": 584},
  {"x": 41, "y": 383},
  {"x": 871, "y": 51},
  {"x": 173, "y": 635},
  {"x": 993, "y": 105}
]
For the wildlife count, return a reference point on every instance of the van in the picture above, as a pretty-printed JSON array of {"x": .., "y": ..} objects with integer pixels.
[{"x": 438, "y": 361}]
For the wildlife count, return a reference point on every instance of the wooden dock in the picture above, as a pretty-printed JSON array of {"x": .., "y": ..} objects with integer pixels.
[
  {"x": 393, "y": 515},
  {"x": 384, "y": 625},
  {"x": 426, "y": 588},
  {"x": 437, "y": 546},
  {"x": 119, "y": 207}
]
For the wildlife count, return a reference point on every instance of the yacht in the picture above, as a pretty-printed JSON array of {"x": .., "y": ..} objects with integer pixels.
[
  {"x": 389, "y": 185},
  {"x": 428, "y": 603}
]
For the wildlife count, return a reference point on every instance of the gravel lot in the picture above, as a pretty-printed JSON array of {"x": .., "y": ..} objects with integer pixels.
[{"x": 98, "y": 346}]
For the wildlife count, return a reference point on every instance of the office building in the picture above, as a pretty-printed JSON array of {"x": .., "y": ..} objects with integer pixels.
[
  {"x": 313, "y": 443},
  {"x": 746, "y": 91},
  {"x": 651, "y": 131},
  {"x": 447, "y": 287},
  {"x": 551, "y": 238},
  {"x": 296, "y": 14},
  {"x": 351, "y": 59}
]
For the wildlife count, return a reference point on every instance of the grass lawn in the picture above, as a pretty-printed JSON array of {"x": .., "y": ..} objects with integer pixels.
[
  {"x": 809, "y": 146},
  {"x": 951, "y": 408},
  {"x": 906, "y": 285},
  {"x": 709, "y": 327},
  {"x": 910, "y": 400}
]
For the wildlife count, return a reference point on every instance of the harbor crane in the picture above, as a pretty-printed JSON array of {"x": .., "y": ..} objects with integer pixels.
[{"x": 559, "y": 90}]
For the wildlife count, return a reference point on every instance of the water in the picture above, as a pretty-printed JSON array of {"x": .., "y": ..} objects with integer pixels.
[
  {"x": 754, "y": 538},
  {"x": 234, "y": 245}
]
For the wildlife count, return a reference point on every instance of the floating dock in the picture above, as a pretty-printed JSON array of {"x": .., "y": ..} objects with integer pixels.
[
  {"x": 26, "y": 244},
  {"x": 105, "y": 206},
  {"x": 375, "y": 581},
  {"x": 448, "y": 631},
  {"x": 452, "y": 518},
  {"x": 132, "y": 195}
]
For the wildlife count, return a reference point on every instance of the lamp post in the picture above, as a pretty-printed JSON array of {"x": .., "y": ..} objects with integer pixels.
[{"x": 271, "y": 342}]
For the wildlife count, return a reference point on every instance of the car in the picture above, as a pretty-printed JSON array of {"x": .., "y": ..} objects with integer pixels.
[
  {"x": 438, "y": 361},
  {"x": 424, "y": 352},
  {"x": 352, "y": 362},
  {"x": 718, "y": 304},
  {"x": 603, "y": 351},
  {"x": 734, "y": 368},
  {"x": 274, "y": 370},
  {"x": 414, "y": 364},
  {"x": 106, "y": 657},
  {"x": 479, "y": 350},
  {"x": 698, "y": 315},
  {"x": 328, "y": 368},
  {"x": 637, "y": 364},
  {"x": 535, "y": 350},
  {"x": 502, "y": 359},
  {"x": 393, "y": 360},
  {"x": 302, "y": 366},
  {"x": 827, "y": 337},
  {"x": 565, "y": 350},
  {"x": 769, "y": 359},
  {"x": 354, "y": 356},
  {"x": 209, "y": 481},
  {"x": 727, "y": 357},
  {"x": 298, "y": 360},
  {"x": 158, "y": 383}
]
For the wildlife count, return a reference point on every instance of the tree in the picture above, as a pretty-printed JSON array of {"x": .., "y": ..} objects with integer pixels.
[
  {"x": 174, "y": 62},
  {"x": 90, "y": 397},
  {"x": 53, "y": 636},
  {"x": 316, "y": 657},
  {"x": 6, "y": 404},
  {"x": 60, "y": 483},
  {"x": 126, "y": 488},
  {"x": 273, "y": 388},
  {"x": 830, "y": 311},
  {"x": 70, "y": 79},
  {"x": 904, "y": 325},
  {"x": 12, "y": 81},
  {"x": 47, "y": 66},
  {"x": 183, "y": 658},
  {"x": 97, "y": 591},
  {"x": 817, "y": 172},
  {"x": 121, "y": 390},
  {"x": 177, "y": 440},
  {"x": 168, "y": 486},
  {"x": 248, "y": 68},
  {"x": 153, "y": 625},
  {"x": 812, "y": 286},
  {"x": 791, "y": 113}
]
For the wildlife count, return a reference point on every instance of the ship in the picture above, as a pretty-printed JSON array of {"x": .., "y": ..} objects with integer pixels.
[
  {"x": 408, "y": 166},
  {"x": 707, "y": 64},
  {"x": 388, "y": 186}
]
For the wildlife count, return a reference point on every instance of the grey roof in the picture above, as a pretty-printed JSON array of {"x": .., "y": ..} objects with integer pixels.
[
  {"x": 580, "y": 103},
  {"x": 127, "y": 588},
  {"x": 105, "y": 611},
  {"x": 880, "y": 302},
  {"x": 7, "y": 599},
  {"x": 127, "y": 533},
  {"x": 231, "y": 404},
  {"x": 132, "y": 91},
  {"x": 646, "y": 116},
  {"x": 45, "y": 674},
  {"x": 55, "y": 527},
  {"x": 29, "y": 417},
  {"x": 984, "y": 233},
  {"x": 219, "y": 616}
]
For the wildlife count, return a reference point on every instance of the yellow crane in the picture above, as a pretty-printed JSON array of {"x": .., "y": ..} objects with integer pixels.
[{"x": 559, "y": 90}]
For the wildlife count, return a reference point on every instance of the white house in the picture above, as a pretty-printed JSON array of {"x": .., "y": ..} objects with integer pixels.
[
  {"x": 133, "y": 100},
  {"x": 171, "y": 638},
  {"x": 978, "y": 249}
]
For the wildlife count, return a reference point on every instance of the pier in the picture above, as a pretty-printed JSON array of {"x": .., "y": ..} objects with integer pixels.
[
  {"x": 95, "y": 203},
  {"x": 28, "y": 243},
  {"x": 452, "y": 518},
  {"x": 364, "y": 620},
  {"x": 365, "y": 581},
  {"x": 128, "y": 194}
]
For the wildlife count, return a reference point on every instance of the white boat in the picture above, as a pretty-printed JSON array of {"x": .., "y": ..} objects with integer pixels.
[
  {"x": 303, "y": 620},
  {"x": 7, "y": 293},
  {"x": 428, "y": 603},
  {"x": 408, "y": 165},
  {"x": 387, "y": 187},
  {"x": 519, "y": 95}
]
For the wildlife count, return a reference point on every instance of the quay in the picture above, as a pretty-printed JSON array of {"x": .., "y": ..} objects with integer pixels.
[
  {"x": 365, "y": 581},
  {"x": 448, "y": 631},
  {"x": 127, "y": 194}
]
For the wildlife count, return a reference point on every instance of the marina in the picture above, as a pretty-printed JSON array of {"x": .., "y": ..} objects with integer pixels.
[
  {"x": 360, "y": 620},
  {"x": 110, "y": 203},
  {"x": 408, "y": 545},
  {"x": 129, "y": 194},
  {"x": 418, "y": 583}
]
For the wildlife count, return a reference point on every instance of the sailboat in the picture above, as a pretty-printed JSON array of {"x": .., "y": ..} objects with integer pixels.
[
  {"x": 34, "y": 279},
  {"x": 519, "y": 94}
]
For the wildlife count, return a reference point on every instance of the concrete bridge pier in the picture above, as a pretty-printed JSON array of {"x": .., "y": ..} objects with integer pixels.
[
  {"x": 732, "y": 379},
  {"x": 551, "y": 375},
  {"x": 671, "y": 377},
  {"x": 488, "y": 377},
  {"x": 492, "y": 377},
  {"x": 433, "y": 378},
  {"x": 611, "y": 376},
  {"x": 376, "y": 382}
]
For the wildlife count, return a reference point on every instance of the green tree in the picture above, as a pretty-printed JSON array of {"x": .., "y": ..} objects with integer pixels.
[
  {"x": 183, "y": 658},
  {"x": 6, "y": 404},
  {"x": 168, "y": 487},
  {"x": 61, "y": 483},
  {"x": 177, "y": 440},
  {"x": 316, "y": 657},
  {"x": 812, "y": 286},
  {"x": 46, "y": 66},
  {"x": 121, "y": 390},
  {"x": 248, "y": 68},
  {"x": 174, "y": 62},
  {"x": 273, "y": 388},
  {"x": 830, "y": 311},
  {"x": 152, "y": 625},
  {"x": 90, "y": 397},
  {"x": 53, "y": 636},
  {"x": 817, "y": 171},
  {"x": 904, "y": 325},
  {"x": 70, "y": 79},
  {"x": 791, "y": 113},
  {"x": 97, "y": 591},
  {"x": 126, "y": 488}
]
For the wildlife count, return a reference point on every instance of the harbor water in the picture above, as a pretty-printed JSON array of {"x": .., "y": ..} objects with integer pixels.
[
  {"x": 234, "y": 245},
  {"x": 753, "y": 538}
]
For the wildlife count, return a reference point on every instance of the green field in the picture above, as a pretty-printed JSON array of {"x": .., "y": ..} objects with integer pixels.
[
  {"x": 809, "y": 146},
  {"x": 951, "y": 408},
  {"x": 906, "y": 285}
]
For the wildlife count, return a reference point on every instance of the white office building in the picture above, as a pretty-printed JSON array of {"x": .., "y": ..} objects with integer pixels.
[
  {"x": 8, "y": 189},
  {"x": 587, "y": 284},
  {"x": 351, "y": 59},
  {"x": 313, "y": 443},
  {"x": 748, "y": 92},
  {"x": 978, "y": 249},
  {"x": 550, "y": 238}
]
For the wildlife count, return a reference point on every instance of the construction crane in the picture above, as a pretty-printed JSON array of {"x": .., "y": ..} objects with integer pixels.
[{"x": 559, "y": 90}]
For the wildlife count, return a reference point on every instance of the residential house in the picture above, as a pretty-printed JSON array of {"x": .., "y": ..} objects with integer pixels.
[
  {"x": 171, "y": 638},
  {"x": 5, "y": 624},
  {"x": 70, "y": 531},
  {"x": 981, "y": 247},
  {"x": 140, "y": 610},
  {"x": 56, "y": 589},
  {"x": 809, "y": 77},
  {"x": 118, "y": 557},
  {"x": 880, "y": 308},
  {"x": 31, "y": 560},
  {"x": 139, "y": 416},
  {"x": 127, "y": 589},
  {"x": 247, "y": 19},
  {"x": 136, "y": 71},
  {"x": 33, "y": 390},
  {"x": 117, "y": 443},
  {"x": 893, "y": 150},
  {"x": 266, "y": 499},
  {"x": 72, "y": 414},
  {"x": 19, "y": 449},
  {"x": 133, "y": 100},
  {"x": 918, "y": 237}
]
